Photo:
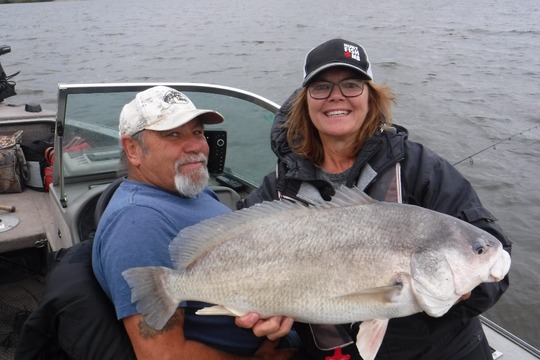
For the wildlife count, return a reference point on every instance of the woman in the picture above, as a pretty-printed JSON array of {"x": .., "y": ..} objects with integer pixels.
[{"x": 337, "y": 130}]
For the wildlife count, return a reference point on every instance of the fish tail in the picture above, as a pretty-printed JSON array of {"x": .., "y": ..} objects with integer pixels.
[{"x": 150, "y": 291}]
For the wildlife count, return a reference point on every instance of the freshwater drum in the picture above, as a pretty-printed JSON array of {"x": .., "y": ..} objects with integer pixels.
[{"x": 282, "y": 258}]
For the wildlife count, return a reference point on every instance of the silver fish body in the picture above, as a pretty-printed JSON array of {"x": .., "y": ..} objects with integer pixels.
[{"x": 351, "y": 259}]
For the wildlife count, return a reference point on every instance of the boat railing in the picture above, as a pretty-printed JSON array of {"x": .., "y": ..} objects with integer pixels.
[{"x": 510, "y": 337}]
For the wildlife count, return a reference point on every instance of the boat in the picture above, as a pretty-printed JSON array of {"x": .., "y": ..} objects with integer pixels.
[{"x": 83, "y": 135}]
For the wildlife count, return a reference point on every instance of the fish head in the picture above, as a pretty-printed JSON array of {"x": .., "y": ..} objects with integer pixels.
[
  {"x": 476, "y": 259},
  {"x": 482, "y": 259},
  {"x": 441, "y": 274}
]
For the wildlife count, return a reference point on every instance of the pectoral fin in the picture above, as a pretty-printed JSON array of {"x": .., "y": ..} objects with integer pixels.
[
  {"x": 384, "y": 294},
  {"x": 369, "y": 338},
  {"x": 219, "y": 310}
]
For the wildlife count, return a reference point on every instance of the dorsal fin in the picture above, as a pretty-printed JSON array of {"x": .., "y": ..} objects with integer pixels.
[
  {"x": 194, "y": 241},
  {"x": 351, "y": 197}
]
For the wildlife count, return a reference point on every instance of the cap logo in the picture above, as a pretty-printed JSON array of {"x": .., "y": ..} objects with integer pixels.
[
  {"x": 351, "y": 51},
  {"x": 175, "y": 97}
]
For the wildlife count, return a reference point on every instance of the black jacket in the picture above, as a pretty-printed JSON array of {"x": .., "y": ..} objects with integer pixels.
[
  {"x": 428, "y": 181},
  {"x": 75, "y": 319}
]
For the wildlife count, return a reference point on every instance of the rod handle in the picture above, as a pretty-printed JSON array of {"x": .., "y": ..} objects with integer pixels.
[{"x": 7, "y": 208}]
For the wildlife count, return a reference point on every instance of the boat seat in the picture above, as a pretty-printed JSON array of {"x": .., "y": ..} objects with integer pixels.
[
  {"x": 104, "y": 199},
  {"x": 227, "y": 196}
]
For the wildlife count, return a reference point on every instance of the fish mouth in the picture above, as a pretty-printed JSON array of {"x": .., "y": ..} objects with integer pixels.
[{"x": 501, "y": 267}]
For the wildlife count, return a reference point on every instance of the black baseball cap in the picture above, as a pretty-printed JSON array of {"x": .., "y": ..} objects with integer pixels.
[{"x": 336, "y": 52}]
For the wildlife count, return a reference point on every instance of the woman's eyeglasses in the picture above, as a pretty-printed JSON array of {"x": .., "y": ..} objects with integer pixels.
[{"x": 320, "y": 90}]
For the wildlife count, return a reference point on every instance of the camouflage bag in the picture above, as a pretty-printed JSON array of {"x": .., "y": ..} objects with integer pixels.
[{"x": 13, "y": 168}]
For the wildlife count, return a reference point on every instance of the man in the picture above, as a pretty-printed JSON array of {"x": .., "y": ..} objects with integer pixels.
[{"x": 162, "y": 135}]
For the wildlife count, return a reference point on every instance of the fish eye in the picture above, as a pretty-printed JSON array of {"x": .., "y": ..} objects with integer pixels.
[{"x": 479, "y": 248}]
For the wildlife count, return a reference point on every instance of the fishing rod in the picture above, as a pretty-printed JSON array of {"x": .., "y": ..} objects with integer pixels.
[{"x": 494, "y": 146}]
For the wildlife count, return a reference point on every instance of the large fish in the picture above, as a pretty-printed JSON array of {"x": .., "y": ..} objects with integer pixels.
[{"x": 351, "y": 259}]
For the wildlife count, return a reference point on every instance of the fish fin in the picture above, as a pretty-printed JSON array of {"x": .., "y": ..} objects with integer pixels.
[
  {"x": 384, "y": 294},
  {"x": 219, "y": 310},
  {"x": 370, "y": 337},
  {"x": 345, "y": 196},
  {"x": 149, "y": 292},
  {"x": 194, "y": 241}
]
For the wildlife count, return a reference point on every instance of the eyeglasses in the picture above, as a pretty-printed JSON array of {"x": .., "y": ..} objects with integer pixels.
[{"x": 320, "y": 90}]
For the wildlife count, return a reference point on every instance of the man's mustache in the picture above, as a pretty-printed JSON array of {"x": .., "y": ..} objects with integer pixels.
[{"x": 192, "y": 158}]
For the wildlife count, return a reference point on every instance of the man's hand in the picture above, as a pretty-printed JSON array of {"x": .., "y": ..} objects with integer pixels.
[{"x": 273, "y": 328}]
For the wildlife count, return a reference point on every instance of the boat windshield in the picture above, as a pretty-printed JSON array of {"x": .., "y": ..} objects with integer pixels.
[{"x": 90, "y": 142}]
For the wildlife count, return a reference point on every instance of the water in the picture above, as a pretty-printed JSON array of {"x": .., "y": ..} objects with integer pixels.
[{"x": 467, "y": 75}]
